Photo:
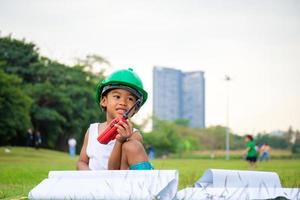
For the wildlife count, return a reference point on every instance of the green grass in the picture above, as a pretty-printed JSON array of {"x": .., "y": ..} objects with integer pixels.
[{"x": 23, "y": 168}]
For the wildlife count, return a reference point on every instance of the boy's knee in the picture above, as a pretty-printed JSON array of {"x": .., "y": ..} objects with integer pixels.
[
  {"x": 136, "y": 157},
  {"x": 132, "y": 147}
]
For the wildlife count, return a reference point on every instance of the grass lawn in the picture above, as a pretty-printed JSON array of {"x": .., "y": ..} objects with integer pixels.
[{"x": 24, "y": 168}]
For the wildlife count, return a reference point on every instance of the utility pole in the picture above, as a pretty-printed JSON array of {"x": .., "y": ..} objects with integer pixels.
[{"x": 227, "y": 79}]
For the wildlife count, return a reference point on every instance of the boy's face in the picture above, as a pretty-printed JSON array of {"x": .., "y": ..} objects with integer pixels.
[{"x": 117, "y": 102}]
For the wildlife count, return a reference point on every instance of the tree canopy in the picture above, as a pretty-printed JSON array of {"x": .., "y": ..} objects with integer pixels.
[{"x": 39, "y": 93}]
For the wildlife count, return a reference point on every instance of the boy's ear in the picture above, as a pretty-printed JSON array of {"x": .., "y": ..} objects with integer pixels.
[{"x": 103, "y": 102}]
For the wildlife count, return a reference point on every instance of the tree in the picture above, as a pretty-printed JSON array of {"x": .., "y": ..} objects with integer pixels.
[
  {"x": 168, "y": 137},
  {"x": 62, "y": 97},
  {"x": 17, "y": 55},
  {"x": 277, "y": 142},
  {"x": 64, "y": 101},
  {"x": 296, "y": 145},
  {"x": 14, "y": 109},
  {"x": 94, "y": 63},
  {"x": 163, "y": 138}
]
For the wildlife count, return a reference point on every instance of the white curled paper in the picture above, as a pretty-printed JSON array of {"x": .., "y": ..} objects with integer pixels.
[
  {"x": 237, "y": 184},
  {"x": 107, "y": 184}
]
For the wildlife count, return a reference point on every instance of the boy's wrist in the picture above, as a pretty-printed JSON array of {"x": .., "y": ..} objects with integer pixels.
[{"x": 122, "y": 140}]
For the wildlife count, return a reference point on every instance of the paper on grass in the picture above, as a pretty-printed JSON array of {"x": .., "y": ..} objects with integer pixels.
[
  {"x": 237, "y": 184},
  {"x": 238, "y": 178},
  {"x": 119, "y": 184}
]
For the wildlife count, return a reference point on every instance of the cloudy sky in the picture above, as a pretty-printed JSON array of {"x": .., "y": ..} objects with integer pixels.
[{"x": 256, "y": 42}]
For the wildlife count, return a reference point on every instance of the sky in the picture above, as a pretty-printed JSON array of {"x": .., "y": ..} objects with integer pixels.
[{"x": 255, "y": 42}]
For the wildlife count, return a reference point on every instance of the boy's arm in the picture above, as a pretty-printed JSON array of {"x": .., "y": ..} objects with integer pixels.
[
  {"x": 83, "y": 162},
  {"x": 125, "y": 132},
  {"x": 247, "y": 150},
  {"x": 114, "y": 161}
]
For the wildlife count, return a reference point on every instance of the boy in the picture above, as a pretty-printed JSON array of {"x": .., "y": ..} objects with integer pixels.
[
  {"x": 251, "y": 150},
  {"x": 116, "y": 95}
]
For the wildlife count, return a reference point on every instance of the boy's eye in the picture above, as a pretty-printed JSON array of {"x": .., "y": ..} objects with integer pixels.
[
  {"x": 130, "y": 98},
  {"x": 116, "y": 96}
]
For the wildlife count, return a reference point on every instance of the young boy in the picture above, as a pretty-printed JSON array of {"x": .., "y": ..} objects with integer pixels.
[
  {"x": 251, "y": 150},
  {"x": 116, "y": 95}
]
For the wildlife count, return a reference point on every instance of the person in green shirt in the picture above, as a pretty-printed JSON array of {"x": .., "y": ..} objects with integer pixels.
[{"x": 250, "y": 150}]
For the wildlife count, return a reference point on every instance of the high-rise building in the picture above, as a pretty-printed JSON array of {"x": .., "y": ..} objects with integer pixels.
[
  {"x": 179, "y": 95},
  {"x": 194, "y": 98}
]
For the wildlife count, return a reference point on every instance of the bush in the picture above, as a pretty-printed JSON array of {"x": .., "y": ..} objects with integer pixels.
[{"x": 296, "y": 147}]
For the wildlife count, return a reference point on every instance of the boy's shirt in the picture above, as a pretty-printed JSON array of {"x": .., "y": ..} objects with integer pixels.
[{"x": 252, "y": 151}]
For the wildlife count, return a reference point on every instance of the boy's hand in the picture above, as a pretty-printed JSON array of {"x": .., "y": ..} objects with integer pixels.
[{"x": 124, "y": 130}]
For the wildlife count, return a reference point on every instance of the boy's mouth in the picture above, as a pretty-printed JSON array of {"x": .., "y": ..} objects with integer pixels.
[{"x": 121, "y": 111}]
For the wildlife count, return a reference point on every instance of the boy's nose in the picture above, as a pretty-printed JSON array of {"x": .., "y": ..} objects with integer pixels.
[{"x": 122, "y": 101}]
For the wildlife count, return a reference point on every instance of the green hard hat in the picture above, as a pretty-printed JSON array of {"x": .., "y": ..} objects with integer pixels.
[{"x": 124, "y": 79}]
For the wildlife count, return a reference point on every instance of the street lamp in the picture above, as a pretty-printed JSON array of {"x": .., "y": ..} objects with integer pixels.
[{"x": 227, "y": 79}]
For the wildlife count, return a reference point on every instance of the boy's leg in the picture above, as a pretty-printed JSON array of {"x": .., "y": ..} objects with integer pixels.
[
  {"x": 254, "y": 159},
  {"x": 133, "y": 153}
]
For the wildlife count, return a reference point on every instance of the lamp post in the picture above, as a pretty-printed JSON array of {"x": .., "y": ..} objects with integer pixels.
[{"x": 227, "y": 79}]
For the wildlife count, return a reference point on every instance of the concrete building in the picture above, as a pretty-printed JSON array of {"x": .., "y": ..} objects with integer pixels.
[
  {"x": 194, "y": 98},
  {"x": 179, "y": 95}
]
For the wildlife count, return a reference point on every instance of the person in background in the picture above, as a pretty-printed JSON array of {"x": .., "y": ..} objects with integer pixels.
[
  {"x": 251, "y": 153},
  {"x": 38, "y": 139},
  {"x": 30, "y": 138},
  {"x": 265, "y": 152},
  {"x": 72, "y": 146},
  {"x": 151, "y": 152}
]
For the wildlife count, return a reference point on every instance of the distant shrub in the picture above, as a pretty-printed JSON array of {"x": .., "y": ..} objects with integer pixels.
[{"x": 296, "y": 147}]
